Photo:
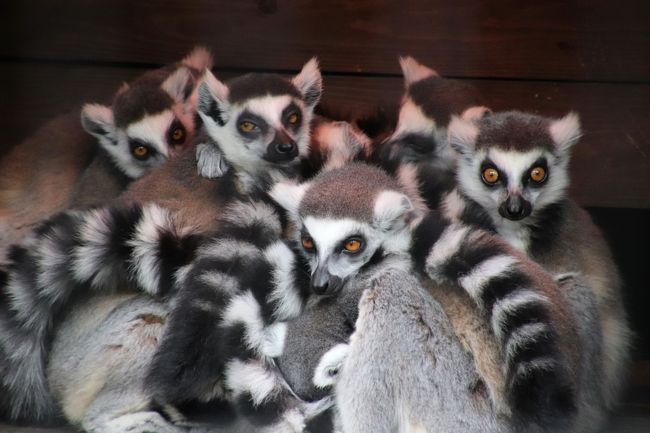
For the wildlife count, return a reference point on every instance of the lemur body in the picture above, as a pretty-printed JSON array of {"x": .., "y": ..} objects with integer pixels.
[
  {"x": 513, "y": 176},
  {"x": 61, "y": 166}
]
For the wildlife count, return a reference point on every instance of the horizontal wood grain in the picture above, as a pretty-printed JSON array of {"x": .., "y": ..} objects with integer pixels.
[
  {"x": 610, "y": 166},
  {"x": 554, "y": 39}
]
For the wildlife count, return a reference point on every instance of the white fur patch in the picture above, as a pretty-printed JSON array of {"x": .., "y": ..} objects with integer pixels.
[
  {"x": 407, "y": 177},
  {"x": 88, "y": 258},
  {"x": 330, "y": 365},
  {"x": 155, "y": 220},
  {"x": 153, "y": 130},
  {"x": 289, "y": 304},
  {"x": 390, "y": 210},
  {"x": 414, "y": 71},
  {"x": 245, "y": 214},
  {"x": 523, "y": 336},
  {"x": 210, "y": 162},
  {"x": 474, "y": 282},
  {"x": 254, "y": 378},
  {"x": 220, "y": 281},
  {"x": 445, "y": 247},
  {"x": 513, "y": 302},
  {"x": 413, "y": 120},
  {"x": 289, "y": 195},
  {"x": 453, "y": 205},
  {"x": 229, "y": 248}
]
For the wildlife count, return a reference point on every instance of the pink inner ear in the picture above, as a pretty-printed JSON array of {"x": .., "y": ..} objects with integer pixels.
[{"x": 566, "y": 131}]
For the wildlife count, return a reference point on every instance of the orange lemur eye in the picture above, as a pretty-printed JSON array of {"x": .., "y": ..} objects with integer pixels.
[
  {"x": 178, "y": 135},
  {"x": 353, "y": 245},
  {"x": 307, "y": 243},
  {"x": 247, "y": 126},
  {"x": 490, "y": 175},
  {"x": 538, "y": 174},
  {"x": 293, "y": 118},
  {"x": 140, "y": 152}
]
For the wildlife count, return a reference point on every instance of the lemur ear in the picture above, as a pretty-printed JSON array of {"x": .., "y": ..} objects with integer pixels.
[
  {"x": 213, "y": 102},
  {"x": 289, "y": 195},
  {"x": 199, "y": 59},
  {"x": 475, "y": 113},
  {"x": 462, "y": 136},
  {"x": 97, "y": 120},
  {"x": 309, "y": 83},
  {"x": 179, "y": 84},
  {"x": 414, "y": 71},
  {"x": 566, "y": 132},
  {"x": 393, "y": 210}
]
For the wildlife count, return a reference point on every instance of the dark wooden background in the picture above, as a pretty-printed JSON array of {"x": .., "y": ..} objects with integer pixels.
[{"x": 546, "y": 57}]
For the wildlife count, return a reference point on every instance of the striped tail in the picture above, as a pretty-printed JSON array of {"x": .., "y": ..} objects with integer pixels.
[
  {"x": 516, "y": 298},
  {"x": 245, "y": 283},
  {"x": 73, "y": 254}
]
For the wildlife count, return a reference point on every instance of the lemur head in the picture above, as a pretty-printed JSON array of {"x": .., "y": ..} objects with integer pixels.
[
  {"x": 261, "y": 121},
  {"x": 346, "y": 219},
  {"x": 151, "y": 119},
  {"x": 514, "y": 164},
  {"x": 428, "y": 103}
]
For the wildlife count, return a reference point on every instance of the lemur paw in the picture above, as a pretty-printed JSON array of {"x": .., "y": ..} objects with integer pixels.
[{"x": 210, "y": 162}]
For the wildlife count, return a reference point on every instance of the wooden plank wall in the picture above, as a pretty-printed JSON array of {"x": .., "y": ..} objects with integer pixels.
[{"x": 547, "y": 57}]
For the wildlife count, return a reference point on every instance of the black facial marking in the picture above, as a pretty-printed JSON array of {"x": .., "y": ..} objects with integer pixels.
[
  {"x": 526, "y": 179},
  {"x": 141, "y": 150},
  {"x": 290, "y": 110},
  {"x": 261, "y": 127},
  {"x": 282, "y": 149}
]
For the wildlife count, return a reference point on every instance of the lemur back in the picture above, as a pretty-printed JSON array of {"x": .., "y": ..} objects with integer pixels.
[
  {"x": 61, "y": 166},
  {"x": 513, "y": 175}
]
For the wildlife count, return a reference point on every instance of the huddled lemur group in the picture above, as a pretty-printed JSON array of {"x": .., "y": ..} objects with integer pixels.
[{"x": 226, "y": 260}]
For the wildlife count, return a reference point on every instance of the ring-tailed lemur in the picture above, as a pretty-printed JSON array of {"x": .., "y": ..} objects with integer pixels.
[
  {"x": 60, "y": 166},
  {"x": 418, "y": 146},
  {"x": 260, "y": 123},
  {"x": 513, "y": 175}
]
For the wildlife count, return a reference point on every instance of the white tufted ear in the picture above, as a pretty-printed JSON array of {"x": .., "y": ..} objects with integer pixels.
[
  {"x": 213, "y": 99},
  {"x": 289, "y": 195},
  {"x": 309, "y": 83},
  {"x": 97, "y": 120},
  {"x": 414, "y": 71},
  {"x": 566, "y": 132},
  {"x": 475, "y": 113},
  {"x": 179, "y": 84},
  {"x": 462, "y": 136},
  {"x": 393, "y": 210}
]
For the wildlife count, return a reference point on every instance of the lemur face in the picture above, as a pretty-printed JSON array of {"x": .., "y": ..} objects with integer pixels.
[
  {"x": 148, "y": 122},
  {"x": 261, "y": 120},
  {"x": 345, "y": 220},
  {"x": 514, "y": 164}
]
